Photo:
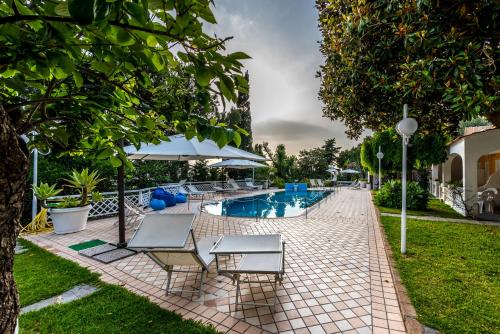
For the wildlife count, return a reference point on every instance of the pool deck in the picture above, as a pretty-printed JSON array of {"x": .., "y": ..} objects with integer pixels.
[{"x": 337, "y": 279}]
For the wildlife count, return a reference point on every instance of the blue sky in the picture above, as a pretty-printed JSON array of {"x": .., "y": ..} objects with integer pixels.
[{"x": 282, "y": 38}]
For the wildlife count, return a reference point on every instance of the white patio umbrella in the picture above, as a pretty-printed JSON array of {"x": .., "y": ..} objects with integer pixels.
[
  {"x": 238, "y": 164},
  {"x": 177, "y": 148},
  {"x": 333, "y": 171},
  {"x": 181, "y": 149},
  {"x": 349, "y": 171}
]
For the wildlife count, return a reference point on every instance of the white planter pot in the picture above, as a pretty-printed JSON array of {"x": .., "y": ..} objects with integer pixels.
[
  {"x": 69, "y": 220},
  {"x": 368, "y": 186},
  {"x": 362, "y": 184}
]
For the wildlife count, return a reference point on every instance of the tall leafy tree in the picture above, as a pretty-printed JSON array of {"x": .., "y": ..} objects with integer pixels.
[
  {"x": 313, "y": 163},
  {"x": 241, "y": 117},
  {"x": 423, "y": 151},
  {"x": 200, "y": 171},
  {"x": 81, "y": 76},
  {"x": 330, "y": 150},
  {"x": 440, "y": 57},
  {"x": 349, "y": 158}
]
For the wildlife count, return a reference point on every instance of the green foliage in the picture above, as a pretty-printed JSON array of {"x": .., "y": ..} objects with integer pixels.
[
  {"x": 282, "y": 163},
  {"x": 278, "y": 182},
  {"x": 44, "y": 191},
  {"x": 85, "y": 183},
  {"x": 313, "y": 163},
  {"x": 85, "y": 76},
  {"x": 441, "y": 57},
  {"x": 477, "y": 121},
  {"x": 200, "y": 171},
  {"x": 349, "y": 158},
  {"x": 330, "y": 151},
  {"x": 390, "y": 195},
  {"x": 68, "y": 202},
  {"x": 423, "y": 150},
  {"x": 241, "y": 117}
]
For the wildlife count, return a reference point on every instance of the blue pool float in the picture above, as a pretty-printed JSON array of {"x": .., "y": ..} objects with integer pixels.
[
  {"x": 180, "y": 198},
  {"x": 157, "y": 204},
  {"x": 165, "y": 196}
]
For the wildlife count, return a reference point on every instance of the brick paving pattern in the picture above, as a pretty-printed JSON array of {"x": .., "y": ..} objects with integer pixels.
[{"x": 337, "y": 276}]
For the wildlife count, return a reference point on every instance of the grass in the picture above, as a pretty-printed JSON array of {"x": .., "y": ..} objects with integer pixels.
[
  {"x": 109, "y": 310},
  {"x": 451, "y": 272},
  {"x": 40, "y": 274},
  {"x": 436, "y": 208},
  {"x": 112, "y": 309}
]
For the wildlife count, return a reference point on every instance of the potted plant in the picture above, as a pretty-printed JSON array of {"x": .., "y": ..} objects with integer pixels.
[{"x": 70, "y": 213}]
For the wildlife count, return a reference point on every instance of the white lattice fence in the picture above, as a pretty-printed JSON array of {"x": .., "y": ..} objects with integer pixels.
[{"x": 108, "y": 206}]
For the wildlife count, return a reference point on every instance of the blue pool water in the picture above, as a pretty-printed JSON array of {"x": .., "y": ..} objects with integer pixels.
[{"x": 270, "y": 205}]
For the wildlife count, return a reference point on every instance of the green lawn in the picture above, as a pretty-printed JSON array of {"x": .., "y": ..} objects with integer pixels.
[
  {"x": 113, "y": 309},
  {"x": 451, "y": 272},
  {"x": 436, "y": 208},
  {"x": 40, "y": 274},
  {"x": 109, "y": 310}
]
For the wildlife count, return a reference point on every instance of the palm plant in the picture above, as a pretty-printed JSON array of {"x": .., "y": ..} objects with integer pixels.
[{"x": 85, "y": 182}]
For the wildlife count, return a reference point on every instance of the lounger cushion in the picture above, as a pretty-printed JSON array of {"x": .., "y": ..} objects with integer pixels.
[
  {"x": 204, "y": 245},
  {"x": 262, "y": 263}
]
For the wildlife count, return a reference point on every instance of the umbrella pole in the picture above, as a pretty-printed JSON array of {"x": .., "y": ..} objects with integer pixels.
[
  {"x": 121, "y": 206},
  {"x": 253, "y": 175}
]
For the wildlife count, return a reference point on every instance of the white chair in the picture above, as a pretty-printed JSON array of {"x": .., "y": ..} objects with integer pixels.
[
  {"x": 164, "y": 238},
  {"x": 313, "y": 183}
]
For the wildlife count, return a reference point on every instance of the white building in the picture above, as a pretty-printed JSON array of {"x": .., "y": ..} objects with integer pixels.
[{"x": 469, "y": 180}]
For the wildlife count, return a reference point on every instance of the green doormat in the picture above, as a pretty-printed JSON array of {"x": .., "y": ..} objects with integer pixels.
[{"x": 87, "y": 244}]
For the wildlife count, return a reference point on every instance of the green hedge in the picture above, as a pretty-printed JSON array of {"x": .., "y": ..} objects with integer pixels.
[{"x": 390, "y": 195}]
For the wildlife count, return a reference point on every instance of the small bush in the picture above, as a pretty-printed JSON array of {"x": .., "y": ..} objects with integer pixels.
[
  {"x": 279, "y": 183},
  {"x": 391, "y": 193}
]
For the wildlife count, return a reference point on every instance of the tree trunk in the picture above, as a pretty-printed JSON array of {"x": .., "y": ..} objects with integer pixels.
[{"x": 13, "y": 173}]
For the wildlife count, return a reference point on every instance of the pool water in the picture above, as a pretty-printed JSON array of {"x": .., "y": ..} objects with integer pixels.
[{"x": 270, "y": 205}]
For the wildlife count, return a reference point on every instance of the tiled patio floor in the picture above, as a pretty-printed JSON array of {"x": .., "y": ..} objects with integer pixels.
[{"x": 337, "y": 274}]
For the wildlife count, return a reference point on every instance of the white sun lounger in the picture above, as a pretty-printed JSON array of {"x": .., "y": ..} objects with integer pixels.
[
  {"x": 261, "y": 255},
  {"x": 165, "y": 239}
]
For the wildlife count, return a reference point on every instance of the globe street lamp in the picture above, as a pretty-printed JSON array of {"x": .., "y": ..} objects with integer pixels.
[
  {"x": 406, "y": 128},
  {"x": 380, "y": 155}
]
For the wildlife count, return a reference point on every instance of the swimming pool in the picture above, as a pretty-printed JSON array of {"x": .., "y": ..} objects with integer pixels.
[{"x": 270, "y": 205}]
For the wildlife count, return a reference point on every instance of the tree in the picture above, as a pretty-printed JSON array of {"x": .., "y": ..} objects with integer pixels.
[
  {"x": 241, "y": 117},
  {"x": 77, "y": 74},
  {"x": 440, "y": 57},
  {"x": 330, "y": 150},
  {"x": 350, "y": 158},
  {"x": 199, "y": 171},
  {"x": 313, "y": 163},
  {"x": 283, "y": 163},
  {"x": 423, "y": 151}
]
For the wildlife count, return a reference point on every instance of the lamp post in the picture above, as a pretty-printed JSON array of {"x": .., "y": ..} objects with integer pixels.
[
  {"x": 380, "y": 155},
  {"x": 406, "y": 128}
]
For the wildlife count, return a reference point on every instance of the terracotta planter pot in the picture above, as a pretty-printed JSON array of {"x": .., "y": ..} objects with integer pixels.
[{"x": 69, "y": 220}]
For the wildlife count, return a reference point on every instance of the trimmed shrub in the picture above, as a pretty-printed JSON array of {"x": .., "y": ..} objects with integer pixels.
[
  {"x": 279, "y": 183},
  {"x": 391, "y": 194}
]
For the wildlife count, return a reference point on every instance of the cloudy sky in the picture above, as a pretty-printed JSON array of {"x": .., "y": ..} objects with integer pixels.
[{"x": 282, "y": 38}]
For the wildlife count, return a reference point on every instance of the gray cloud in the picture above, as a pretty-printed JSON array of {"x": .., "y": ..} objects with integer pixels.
[
  {"x": 298, "y": 135},
  {"x": 281, "y": 37}
]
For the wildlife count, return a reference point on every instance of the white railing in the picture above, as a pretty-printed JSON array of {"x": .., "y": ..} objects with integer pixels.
[
  {"x": 453, "y": 197},
  {"x": 435, "y": 188},
  {"x": 108, "y": 206}
]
